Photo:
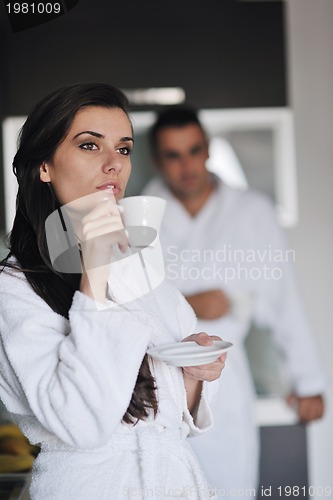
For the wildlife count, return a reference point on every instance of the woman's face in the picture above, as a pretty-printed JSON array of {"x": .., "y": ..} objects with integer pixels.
[{"x": 94, "y": 155}]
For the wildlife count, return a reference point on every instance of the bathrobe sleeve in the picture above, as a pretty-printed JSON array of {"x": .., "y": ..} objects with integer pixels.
[
  {"x": 280, "y": 308},
  {"x": 203, "y": 419},
  {"x": 76, "y": 377}
]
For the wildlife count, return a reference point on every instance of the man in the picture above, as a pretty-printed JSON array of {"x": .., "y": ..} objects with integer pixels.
[{"x": 225, "y": 251}]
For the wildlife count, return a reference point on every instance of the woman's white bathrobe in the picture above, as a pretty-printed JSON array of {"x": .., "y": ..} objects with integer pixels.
[{"x": 68, "y": 384}]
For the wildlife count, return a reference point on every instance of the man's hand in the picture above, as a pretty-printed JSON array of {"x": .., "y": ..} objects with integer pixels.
[
  {"x": 308, "y": 408},
  {"x": 209, "y": 305}
]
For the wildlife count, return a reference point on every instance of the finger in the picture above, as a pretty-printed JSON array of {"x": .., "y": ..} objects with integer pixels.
[
  {"x": 216, "y": 366},
  {"x": 103, "y": 225},
  {"x": 103, "y": 238},
  {"x": 203, "y": 339},
  {"x": 215, "y": 337},
  {"x": 123, "y": 243},
  {"x": 190, "y": 338}
]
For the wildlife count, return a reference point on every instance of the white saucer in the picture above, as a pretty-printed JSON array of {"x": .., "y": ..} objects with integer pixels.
[{"x": 189, "y": 353}]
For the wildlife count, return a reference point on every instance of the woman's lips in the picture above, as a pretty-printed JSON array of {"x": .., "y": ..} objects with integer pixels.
[{"x": 111, "y": 186}]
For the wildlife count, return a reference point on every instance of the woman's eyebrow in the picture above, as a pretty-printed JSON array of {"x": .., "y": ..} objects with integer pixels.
[
  {"x": 95, "y": 134},
  {"x": 126, "y": 139},
  {"x": 101, "y": 136}
]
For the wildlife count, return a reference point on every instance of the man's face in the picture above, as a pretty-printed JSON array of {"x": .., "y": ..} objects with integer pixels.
[{"x": 181, "y": 157}]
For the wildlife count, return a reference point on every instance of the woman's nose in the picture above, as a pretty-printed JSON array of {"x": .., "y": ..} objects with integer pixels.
[{"x": 112, "y": 162}]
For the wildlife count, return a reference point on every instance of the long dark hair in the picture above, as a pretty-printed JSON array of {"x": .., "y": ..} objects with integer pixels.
[{"x": 40, "y": 136}]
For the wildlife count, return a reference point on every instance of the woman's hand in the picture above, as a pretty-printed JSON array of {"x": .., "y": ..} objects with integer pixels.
[
  {"x": 211, "y": 371},
  {"x": 101, "y": 227},
  {"x": 195, "y": 375}
]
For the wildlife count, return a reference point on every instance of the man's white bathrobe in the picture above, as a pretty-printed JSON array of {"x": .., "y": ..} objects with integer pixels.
[
  {"x": 234, "y": 243},
  {"x": 68, "y": 384}
]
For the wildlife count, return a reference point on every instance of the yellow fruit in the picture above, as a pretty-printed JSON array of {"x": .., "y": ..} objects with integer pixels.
[
  {"x": 10, "y": 430},
  {"x": 15, "y": 445},
  {"x": 15, "y": 463},
  {"x": 12, "y": 441}
]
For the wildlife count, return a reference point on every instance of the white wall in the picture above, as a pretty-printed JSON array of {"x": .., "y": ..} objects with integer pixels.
[{"x": 310, "y": 54}]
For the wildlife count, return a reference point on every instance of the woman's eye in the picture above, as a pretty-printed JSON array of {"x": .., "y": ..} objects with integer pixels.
[
  {"x": 88, "y": 146},
  {"x": 125, "y": 151}
]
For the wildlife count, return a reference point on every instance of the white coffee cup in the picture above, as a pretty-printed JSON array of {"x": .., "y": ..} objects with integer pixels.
[
  {"x": 142, "y": 217},
  {"x": 143, "y": 211}
]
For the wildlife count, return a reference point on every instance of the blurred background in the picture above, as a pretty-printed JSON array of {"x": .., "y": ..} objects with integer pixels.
[{"x": 243, "y": 59}]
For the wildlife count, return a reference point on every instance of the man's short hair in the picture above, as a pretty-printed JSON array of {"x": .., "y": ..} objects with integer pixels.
[{"x": 176, "y": 116}]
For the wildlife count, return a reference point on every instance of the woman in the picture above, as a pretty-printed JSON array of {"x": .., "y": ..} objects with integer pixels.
[{"x": 111, "y": 423}]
